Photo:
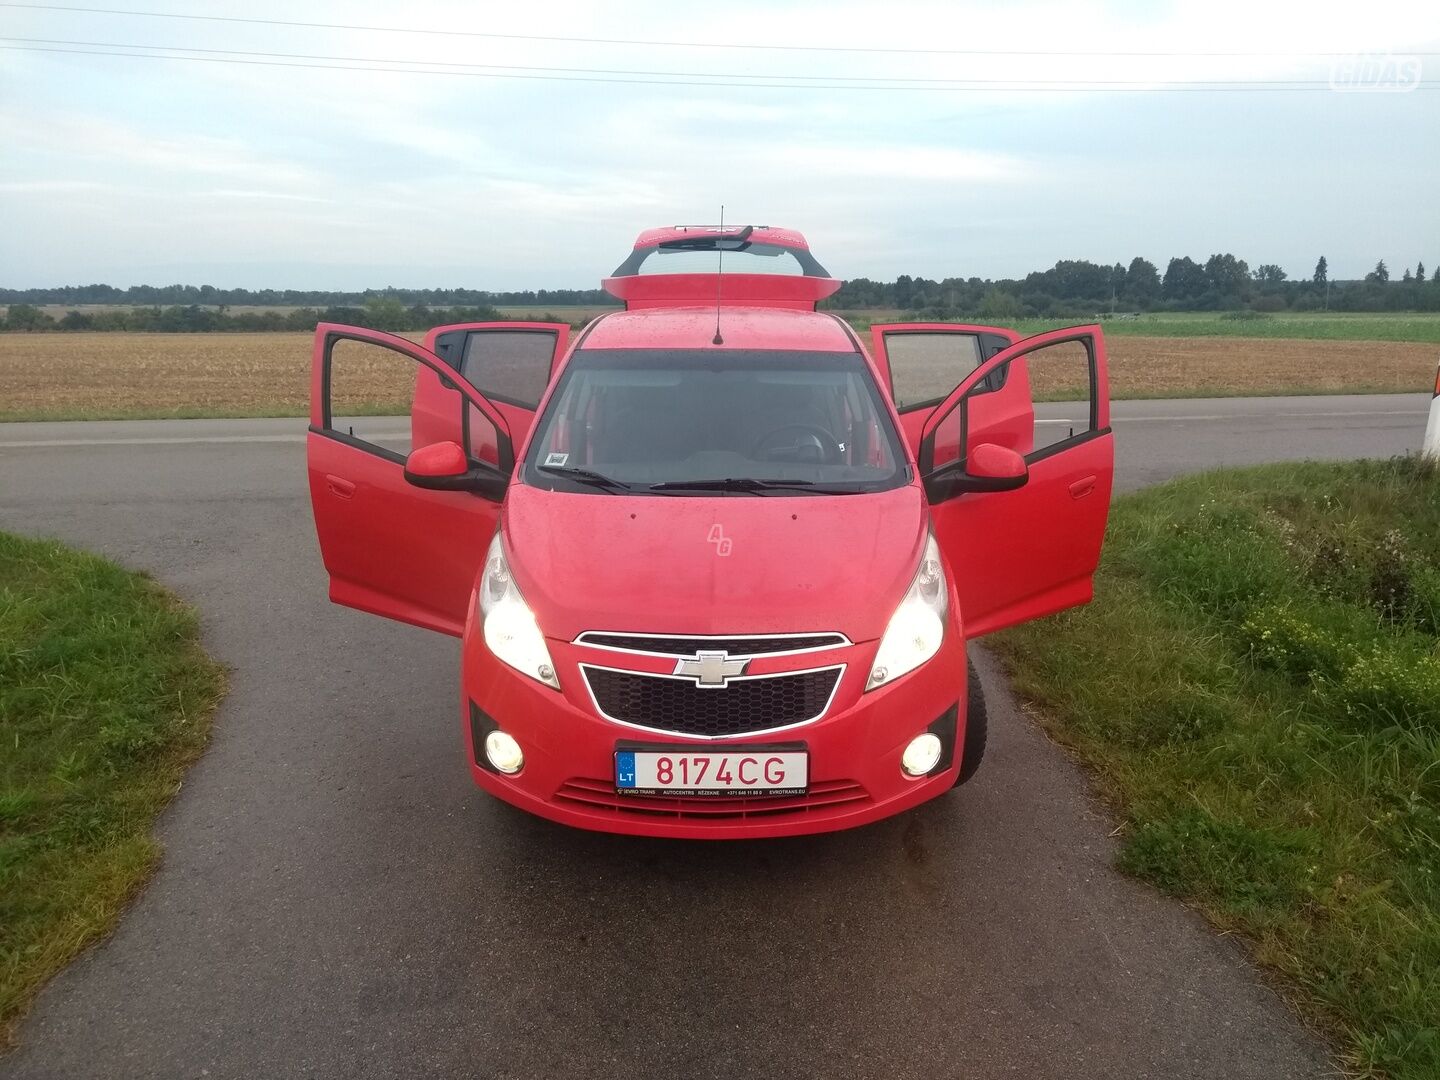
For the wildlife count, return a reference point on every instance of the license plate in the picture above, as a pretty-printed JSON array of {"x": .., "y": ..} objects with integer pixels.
[{"x": 712, "y": 773}]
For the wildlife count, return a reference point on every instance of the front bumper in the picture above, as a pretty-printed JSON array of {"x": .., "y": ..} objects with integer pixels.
[{"x": 854, "y": 748}]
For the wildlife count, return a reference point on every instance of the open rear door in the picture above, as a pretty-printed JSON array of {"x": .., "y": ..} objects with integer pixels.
[
  {"x": 1023, "y": 553},
  {"x": 922, "y": 363},
  {"x": 509, "y": 362},
  {"x": 391, "y": 548}
]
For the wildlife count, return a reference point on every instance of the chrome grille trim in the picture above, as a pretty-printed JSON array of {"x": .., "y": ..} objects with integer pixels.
[{"x": 831, "y": 640}]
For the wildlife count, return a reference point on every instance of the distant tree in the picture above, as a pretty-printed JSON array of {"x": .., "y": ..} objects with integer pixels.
[
  {"x": 1269, "y": 274},
  {"x": 998, "y": 304},
  {"x": 1420, "y": 271},
  {"x": 26, "y": 317},
  {"x": 1073, "y": 279},
  {"x": 1380, "y": 274},
  {"x": 386, "y": 313},
  {"x": 1322, "y": 271},
  {"x": 1227, "y": 275},
  {"x": 1184, "y": 279},
  {"x": 1142, "y": 283},
  {"x": 1407, "y": 276}
]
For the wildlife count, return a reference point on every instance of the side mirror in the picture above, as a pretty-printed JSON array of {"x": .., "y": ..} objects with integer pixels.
[
  {"x": 443, "y": 466},
  {"x": 990, "y": 467}
]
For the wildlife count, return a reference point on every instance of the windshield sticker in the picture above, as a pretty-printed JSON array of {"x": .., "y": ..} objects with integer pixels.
[{"x": 556, "y": 458}]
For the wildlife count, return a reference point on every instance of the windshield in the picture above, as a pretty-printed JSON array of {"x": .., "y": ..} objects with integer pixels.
[{"x": 702, "y": 421}]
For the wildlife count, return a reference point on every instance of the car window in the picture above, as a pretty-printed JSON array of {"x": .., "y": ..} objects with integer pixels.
[
  {"x": 1049, "y": 401},
  {"x": 657, "y": 416},
  {"x": 369, "y": 392},
  {"x": 926, "y": 366},
  {"x": 509, "y": 365},
  {"x": 756, "y": 259},
  {"x": 370, "y": 400}
]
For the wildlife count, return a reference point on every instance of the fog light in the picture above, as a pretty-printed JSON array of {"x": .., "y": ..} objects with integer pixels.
[
  {"x": 919, "y": 757},
  {"x": 504, "y": 752}
]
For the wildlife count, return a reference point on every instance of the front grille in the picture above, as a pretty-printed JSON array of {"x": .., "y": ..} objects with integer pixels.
[
  {"x": 735, "y": 646},
  {"x": 825, "y": 798},
  {"x": 740, "y": 707}
]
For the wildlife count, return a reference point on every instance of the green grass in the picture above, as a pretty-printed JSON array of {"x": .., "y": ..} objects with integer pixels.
[
  {"x": 1316, "y": 325},
  {"x": 1329, "y": 326},
  {"x": 1257, "y": 688},
  {"x": 105, "y": 698}
]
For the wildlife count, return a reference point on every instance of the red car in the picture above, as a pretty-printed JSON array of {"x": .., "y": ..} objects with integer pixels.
[{"x": 714, "y": 564}]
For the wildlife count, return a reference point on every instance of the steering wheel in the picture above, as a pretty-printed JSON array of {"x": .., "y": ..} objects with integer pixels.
[{"x": 801, "y": 443}]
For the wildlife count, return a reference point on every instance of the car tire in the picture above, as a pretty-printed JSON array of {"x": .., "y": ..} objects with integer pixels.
[{"x": 973, "y": 751}]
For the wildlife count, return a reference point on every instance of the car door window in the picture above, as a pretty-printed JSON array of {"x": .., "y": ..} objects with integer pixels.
[
  {"x": 482, "y": 439},
  {"x": 512, "y": 366},
  {"x": 925, "y": 366},
  {"x": 369, "y": 391},
  {"x": 1063, "y": 390}
]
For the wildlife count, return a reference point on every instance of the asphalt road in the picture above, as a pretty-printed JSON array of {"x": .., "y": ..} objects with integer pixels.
[{"x": 336, "y": 900}]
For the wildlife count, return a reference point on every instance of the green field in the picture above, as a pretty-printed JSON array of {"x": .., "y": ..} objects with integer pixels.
[
  {"x": 1257, "y": 689},
  {"x": 1323, "y": 326},
  {"x": 1334, "y": 326},
  {"x": 105, "y": 698}
]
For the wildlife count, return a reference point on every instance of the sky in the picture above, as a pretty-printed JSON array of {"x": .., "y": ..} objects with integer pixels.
[{"x": 131, "y": 170}]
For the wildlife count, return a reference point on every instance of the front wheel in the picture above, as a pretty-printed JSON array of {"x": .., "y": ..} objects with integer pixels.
[{"x": 973, "y": 751}]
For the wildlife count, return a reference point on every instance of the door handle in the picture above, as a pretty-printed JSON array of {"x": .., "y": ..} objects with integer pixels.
[
  {"x": 339, "y": 486},
  {"x": 1080, "y": 488}
]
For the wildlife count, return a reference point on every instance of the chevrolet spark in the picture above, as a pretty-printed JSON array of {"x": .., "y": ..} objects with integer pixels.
[{"x": 715, "y": 563}]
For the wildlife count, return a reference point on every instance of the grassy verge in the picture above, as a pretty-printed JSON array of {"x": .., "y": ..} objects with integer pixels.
[
  {"x": 105, "y": 698},
  {"x": 1257, "y": 687}
]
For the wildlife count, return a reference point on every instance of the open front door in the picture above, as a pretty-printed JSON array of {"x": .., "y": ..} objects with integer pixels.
[
  {"x": 922, "y": 363},
  {"x": 509, "y": 362},
  {"x": 1019, "y": 554},
  {"x": 392, "y": 548}
]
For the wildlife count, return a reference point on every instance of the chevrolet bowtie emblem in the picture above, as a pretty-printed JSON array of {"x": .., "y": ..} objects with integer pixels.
[{"x": 710, "y": 668}]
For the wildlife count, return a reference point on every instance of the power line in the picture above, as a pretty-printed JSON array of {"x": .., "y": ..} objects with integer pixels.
[
  {"x": 769, "y": 46},
  {"x": 1019, "y": 87},
  {"x": 656, "y": 75}
]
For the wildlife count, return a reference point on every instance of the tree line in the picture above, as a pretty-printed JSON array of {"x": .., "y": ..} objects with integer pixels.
[
  {"x": 1072, "y": 288},
  {"x": 210, "y": 296},
  {"x": 1075, "y": 287},
  {"x": 378, "y": 314}
]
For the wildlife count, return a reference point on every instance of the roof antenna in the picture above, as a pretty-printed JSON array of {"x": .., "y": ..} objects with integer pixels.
[{"x": 719, "y": 272}]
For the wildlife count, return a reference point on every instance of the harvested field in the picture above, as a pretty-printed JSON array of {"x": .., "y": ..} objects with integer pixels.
[
  {"x": 80, "y": 376},
  {"x": 1222, "y": 366}
]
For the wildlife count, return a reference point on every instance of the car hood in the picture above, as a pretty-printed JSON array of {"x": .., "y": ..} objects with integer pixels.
[{"x": 734, "y": 564}]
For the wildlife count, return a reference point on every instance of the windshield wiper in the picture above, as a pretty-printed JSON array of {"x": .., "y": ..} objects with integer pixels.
[
  {"x": 585, "y": 476},
  {"x": 751, "y": 484}
]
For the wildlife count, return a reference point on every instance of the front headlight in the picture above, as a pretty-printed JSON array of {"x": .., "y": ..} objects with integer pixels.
[
  {"x": 510, "y": 628},
  {"x": 918, "y": 625}
]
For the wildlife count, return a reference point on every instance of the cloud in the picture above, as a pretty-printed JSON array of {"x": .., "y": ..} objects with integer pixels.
[
  {"x": 894, "y": 161},
  {"x": 338, "y": 176},
  {"x": 47, "y": 187}
]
